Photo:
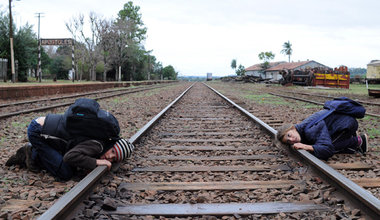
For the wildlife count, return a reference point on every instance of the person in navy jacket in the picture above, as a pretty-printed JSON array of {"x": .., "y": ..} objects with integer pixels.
[{"x": 337, "y": 133}]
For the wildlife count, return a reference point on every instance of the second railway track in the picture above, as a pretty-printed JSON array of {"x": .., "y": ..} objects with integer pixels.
[
  {"x": 23, "y": 107},
  {"x": 204, "y": 158}
]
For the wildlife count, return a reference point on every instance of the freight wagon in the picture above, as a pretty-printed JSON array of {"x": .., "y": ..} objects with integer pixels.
[{"x": 337, "y": 78}]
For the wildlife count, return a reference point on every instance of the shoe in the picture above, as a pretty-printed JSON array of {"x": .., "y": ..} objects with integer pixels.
[
  {"x": 30, "y": 164},
  {"x": 363, "y": 147},
  {"x": 18, "y": 158}
]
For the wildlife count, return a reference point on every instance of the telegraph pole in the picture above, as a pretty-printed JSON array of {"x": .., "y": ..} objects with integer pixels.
[
  {"x": 11, "y": 41},
  {"x": 39, "y": 72}
]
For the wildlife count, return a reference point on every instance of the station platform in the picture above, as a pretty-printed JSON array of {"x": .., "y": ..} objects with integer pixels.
[{"x": 25, "y": 90}]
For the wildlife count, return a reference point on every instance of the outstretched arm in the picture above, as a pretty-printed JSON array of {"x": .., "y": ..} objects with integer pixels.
[
  {"x": 84, "y": 154},
  {"x": 301, "y": 146}
]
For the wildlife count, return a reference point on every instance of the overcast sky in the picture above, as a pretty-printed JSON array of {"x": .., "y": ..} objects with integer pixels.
[{"x": 200, "y": 36}]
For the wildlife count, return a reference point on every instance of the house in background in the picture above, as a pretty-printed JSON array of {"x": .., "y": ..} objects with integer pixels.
[
  {"x": 257, "y": 69},
  {"x": 273, "y": 72}
]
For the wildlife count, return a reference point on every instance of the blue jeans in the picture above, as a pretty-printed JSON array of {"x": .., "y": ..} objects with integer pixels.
[{"x": 45, "y": 156}]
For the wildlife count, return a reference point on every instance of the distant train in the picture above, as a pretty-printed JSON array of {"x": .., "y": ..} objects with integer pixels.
[
  {"x": 373, "y": 71},
  {"x": 209, "y": 76}
]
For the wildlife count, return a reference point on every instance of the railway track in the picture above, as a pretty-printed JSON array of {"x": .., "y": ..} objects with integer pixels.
[
  {"x": 372, "y": 109},
  {"x": 330, "y": 97},
  {"x": 22, "y": 107},
  {"x": 207, "y": 157}
]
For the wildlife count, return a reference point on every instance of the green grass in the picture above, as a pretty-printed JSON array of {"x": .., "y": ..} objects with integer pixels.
[
  {"x": 266, "y": 99},
  {"x": 368, "y": 118},
  {"x": 2, "y": 140},
  {"x": 361, "y": 89},
  {"x": 7, "y": 181},
  {"x": 120, "y": 99},
  {"x": 373, "y": 132},
  {"x": 355, "y": 89},
  {"x": 20, "y": 124},
  {"x": 308, "y": 105}
]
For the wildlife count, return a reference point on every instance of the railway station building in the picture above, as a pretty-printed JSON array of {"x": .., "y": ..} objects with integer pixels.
[
  {"x": 273, "y": 72},
  {"x": 257, "y": 70}
]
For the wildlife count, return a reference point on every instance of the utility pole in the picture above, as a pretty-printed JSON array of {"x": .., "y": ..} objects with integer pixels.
[
  {"x": 11, "y": 41},
  {"x": 39, "y": 72}
]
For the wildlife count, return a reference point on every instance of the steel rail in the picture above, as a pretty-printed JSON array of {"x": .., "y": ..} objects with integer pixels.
[
  {"x": 326, "y": 96},
  {"x": 65, "y": 205},
  {"x": 270, "y": 130},
  {"x": 362, "y": 197},
  {"x": 7, "y": 115},
  {"x": 313, "y": 102}
]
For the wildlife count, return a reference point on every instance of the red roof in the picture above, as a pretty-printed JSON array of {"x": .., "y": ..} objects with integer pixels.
[
  {"x": 288, "y": 66},
  {"x": 259, "y": 66}
]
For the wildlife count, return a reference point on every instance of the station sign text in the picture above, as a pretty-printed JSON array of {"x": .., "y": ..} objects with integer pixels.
[{"x": 63, "y": 41}]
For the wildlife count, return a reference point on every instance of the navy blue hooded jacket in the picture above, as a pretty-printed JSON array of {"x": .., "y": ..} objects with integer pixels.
[{"x": 322, "y": 134}]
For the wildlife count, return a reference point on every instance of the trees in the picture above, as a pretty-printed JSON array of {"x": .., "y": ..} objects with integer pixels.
[
  {"x": 25, "y": 46},
  {"x": 106, "y": 37},
  {"x": 266, "y": 57},
  {"x": 117, "y": 43},
  {"x": 77, "y": 29},
  {"x": 134, "y": 36},
  {"x": 233, "y": 64},
  {"x": 287, "y": 49},
  {"x": 240, "y": 71},
  {"x": 168, "y": 72},
  {"x": 102, "y": 46},
  {"x": 131, "y": 15}
]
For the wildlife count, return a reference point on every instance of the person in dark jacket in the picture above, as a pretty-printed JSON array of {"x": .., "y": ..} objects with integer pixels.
[
  {"x": 52, "y": 148},
  {"x": 337, "y": 133}
]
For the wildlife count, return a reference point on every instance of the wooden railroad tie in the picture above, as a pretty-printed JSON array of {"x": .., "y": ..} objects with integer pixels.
[
  {"x": 208, "y": 140},
  {"x": 350, "y": 166},
  {"x": 368, "y": 182},
  {"x": 209, "y": 169},
  {"x": 165, "y": 134},
  {"x": 192, "y": 186},
  {"x": 217, "y": 209},
  {"x": 214, "y": 158},
  {"x": 209, "y": 148}
]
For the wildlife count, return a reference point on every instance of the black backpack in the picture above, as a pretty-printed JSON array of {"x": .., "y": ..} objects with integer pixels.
[{"x": 85, "y": 120}]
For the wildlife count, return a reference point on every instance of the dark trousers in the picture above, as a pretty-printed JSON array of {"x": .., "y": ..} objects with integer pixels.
[
  {"x": 345, "y": 139},
  {"x": 45, "y": 156}
]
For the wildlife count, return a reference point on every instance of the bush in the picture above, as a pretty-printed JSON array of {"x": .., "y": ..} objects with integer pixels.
[{"x": 22, "y": 77}]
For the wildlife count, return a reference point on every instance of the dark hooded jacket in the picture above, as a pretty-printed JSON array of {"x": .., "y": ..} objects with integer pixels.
[
  {"x": 80, "y": 151},
  {"x": 322, "y": 134}
]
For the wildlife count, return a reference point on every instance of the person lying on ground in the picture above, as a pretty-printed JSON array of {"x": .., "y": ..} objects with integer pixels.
[
  {"x": 52, "y": 147},
  {"x": 336, "y": 133}
]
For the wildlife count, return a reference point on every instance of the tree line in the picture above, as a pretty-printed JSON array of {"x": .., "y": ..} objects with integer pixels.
[{"x": 105, "y": 49}]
